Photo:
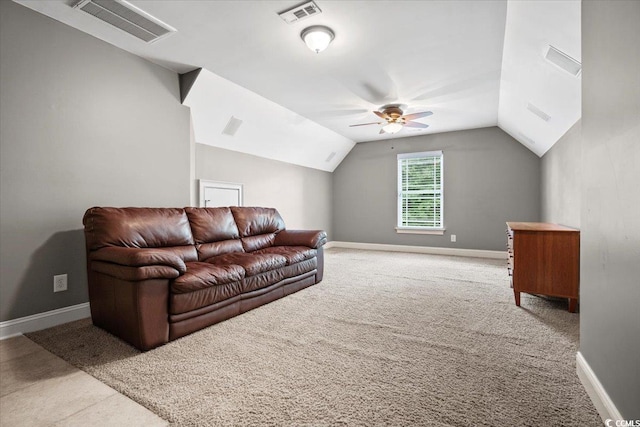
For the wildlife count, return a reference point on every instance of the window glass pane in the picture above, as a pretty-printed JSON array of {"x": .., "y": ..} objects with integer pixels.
[{"x": 420, "y": 190}]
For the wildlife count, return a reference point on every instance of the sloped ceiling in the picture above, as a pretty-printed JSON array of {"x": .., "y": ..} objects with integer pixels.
[
  {"x": 473, "y": 63},
  {"x": 281, "y": 133},
  {"x": 530, "y": 82}
]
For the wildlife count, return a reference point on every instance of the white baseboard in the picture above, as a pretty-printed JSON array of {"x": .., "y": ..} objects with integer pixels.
[
  {"x": 476, "y": 253},
  {"x": 601, "y": 400},
  {"x": 45, "y": 320}
]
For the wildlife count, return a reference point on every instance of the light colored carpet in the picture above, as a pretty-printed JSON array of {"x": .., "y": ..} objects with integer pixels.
[{"x": 386, "y": 339}]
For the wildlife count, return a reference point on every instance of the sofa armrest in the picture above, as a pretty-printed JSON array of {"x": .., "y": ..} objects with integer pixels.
[
  {"x": 310, "y": 238},
  {"x": 134, "y": 274},
  {"x": 139, "y": 257}
]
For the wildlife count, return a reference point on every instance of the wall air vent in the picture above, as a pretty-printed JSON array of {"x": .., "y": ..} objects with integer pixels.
[
  {"x": 232, "y": 126},
  {"x": 300, "y": 12},
  {"x": 564, "y": 61},
  {"x": 538, "y": 112},
  {"x": 126, "y": 17}
]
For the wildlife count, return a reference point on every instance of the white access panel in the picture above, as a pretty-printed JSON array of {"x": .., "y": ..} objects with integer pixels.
[{"x": 217, "y": 194}]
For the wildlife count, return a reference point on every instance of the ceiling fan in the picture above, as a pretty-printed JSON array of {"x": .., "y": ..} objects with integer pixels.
[{"x": 395, "y": 120}]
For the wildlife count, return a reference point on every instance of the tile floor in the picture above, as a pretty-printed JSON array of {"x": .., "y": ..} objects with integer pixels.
[{"x": 38, "y": 388}]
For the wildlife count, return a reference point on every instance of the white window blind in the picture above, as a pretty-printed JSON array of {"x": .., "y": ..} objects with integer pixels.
[{"x": 420, "y": 192}]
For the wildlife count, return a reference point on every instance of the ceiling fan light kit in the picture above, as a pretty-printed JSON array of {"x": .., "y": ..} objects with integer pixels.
[
  {"x": 392, "y": 127},
  {"x": 317, "y": 37}
]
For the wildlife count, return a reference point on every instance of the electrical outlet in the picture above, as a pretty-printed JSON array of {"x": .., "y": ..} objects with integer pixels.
[
  {"x": 60, "y": 283},
  {"x": 453, "y": 238}
]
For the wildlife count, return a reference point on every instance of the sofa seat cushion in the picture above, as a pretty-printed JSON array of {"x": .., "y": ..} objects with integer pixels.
[
  {"x": 268, "y": 278},
  {"x": 203, "y": 298},
  {"x": 202, "y": 275},
  {"x": 293, "y": 254},
  {"x": 252, "y": 263}
]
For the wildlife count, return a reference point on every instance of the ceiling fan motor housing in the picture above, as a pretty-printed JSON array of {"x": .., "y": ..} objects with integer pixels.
[{"x": 393, "y": 112}]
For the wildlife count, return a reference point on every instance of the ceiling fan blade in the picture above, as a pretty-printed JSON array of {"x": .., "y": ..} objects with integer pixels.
[
  {"x": 381, "y": 115},
  {"x": 416, "y": 125},
  {"x": 366, "y": 124},
  {"x": 381, "y": 131},
  {"x": 417, "y": 115},
  {"x": 338, "y": 113},
  {"x": 376, "y": 87}
]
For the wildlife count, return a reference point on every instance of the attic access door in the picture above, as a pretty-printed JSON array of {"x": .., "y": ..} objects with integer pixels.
[{"x": 215, "y": 194}]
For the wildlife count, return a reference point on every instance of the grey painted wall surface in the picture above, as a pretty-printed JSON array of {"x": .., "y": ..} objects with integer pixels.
[
  {"x": 610, "y": 220},
  {"x": 301, "y": 195},
  {"x": 82, "y": 123},
  {"x": 561, "y": 176},
  {"x": 489, "y": 179}
]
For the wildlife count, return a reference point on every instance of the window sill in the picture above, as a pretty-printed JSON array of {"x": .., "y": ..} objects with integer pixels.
[{"x": 433, "y": 231}]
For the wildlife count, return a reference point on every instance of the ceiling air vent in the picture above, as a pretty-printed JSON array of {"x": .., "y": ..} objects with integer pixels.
[
  {"x": 564, "y": 61},
  {"x": 127, "y": 17},
  {"x": 232, "y": 126},
  {"x": 538, "y": 112},
  {"x": 331, "y": 156},
  {"x": 300, "y": 12}
]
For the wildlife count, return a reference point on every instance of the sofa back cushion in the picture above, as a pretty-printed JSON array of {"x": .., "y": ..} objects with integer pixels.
[
  {"x": 214, "y": 231},
  {"x": 212, "y": 224},
  {"x": 255, "y": 221},
  {"x": 136, "y": 228},
  {"x": 257, "y": 226}
]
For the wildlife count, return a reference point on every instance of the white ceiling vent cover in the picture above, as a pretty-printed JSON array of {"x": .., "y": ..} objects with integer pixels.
[
  {"x": 126, "y": 17},
  {"x": 564, "y": 61},
  {"x": 330, "y": 156},
  {"x": 300, "y": 12},
  {"x": 232, "y": 126},
  {"x": 538, "y": 112}
]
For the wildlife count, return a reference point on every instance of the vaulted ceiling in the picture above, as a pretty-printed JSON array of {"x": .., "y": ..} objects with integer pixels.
[{"x": 472, "y": 63}]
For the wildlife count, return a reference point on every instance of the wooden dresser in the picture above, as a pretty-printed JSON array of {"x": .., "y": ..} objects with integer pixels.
[{"x": 544, "y": 259}]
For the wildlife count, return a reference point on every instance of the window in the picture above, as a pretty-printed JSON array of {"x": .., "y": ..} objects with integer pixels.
[{"x": 420, "y": 193}]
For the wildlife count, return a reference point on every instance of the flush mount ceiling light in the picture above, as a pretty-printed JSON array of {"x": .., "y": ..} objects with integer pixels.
[{"x": 317, "y": 38}]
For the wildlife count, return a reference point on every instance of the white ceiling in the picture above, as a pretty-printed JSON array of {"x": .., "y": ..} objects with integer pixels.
[
  {"x": 473, "y": 63},
  {"x": 289, "y": 136},
  {"x": 527, "y": 78}
]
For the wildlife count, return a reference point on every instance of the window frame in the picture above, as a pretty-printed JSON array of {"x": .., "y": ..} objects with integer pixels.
[{"x": 438, "y": 230}]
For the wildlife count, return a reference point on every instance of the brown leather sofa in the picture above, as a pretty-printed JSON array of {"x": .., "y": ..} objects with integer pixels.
[{"x": 157, "y": 274}]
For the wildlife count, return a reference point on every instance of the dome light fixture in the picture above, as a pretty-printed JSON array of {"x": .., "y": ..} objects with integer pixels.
[
  {"x": 317, "y": 37},
  {"x": 392, "y": 127}
]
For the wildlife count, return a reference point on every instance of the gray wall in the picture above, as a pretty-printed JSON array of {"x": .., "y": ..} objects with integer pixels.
[
  {"x": 301, "y": 195},
  {"x": 82, "y": 123},
  {"x": 489, "y": 179},
  {"x": 562, "y": 179},
  {"x": 610, "y": 219}
]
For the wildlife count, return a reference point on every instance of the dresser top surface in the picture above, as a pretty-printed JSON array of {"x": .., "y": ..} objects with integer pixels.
[{"x": 538, "y": 226}]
